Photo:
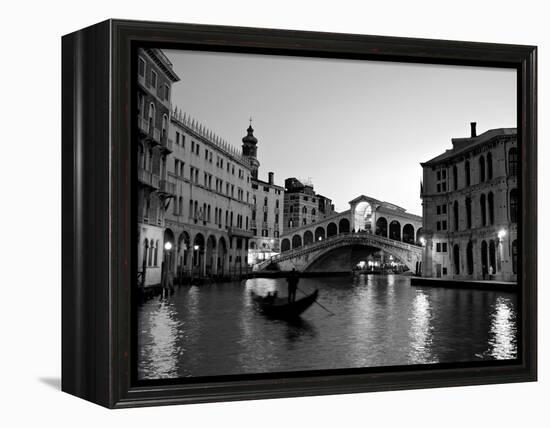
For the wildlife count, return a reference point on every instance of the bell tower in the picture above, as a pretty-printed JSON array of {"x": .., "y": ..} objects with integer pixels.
[{"x": 250, "y": 150}]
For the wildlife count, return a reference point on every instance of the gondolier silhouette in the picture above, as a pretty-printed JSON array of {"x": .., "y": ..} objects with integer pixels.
[{"x": 292, "y": 280}]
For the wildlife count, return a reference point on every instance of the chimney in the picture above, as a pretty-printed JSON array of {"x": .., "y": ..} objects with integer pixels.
[
  {"x": 270, "y": 174},
  {"x": 473, "y": 129}
]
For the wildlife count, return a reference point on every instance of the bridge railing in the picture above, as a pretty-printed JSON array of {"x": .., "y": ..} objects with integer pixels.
[{"x": 316, "y": 245}]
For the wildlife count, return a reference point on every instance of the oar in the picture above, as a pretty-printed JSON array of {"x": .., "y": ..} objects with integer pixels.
[{"x": 315, "y": 301}]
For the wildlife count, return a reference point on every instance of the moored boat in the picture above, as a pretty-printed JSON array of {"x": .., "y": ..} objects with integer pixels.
[{"x": 279, "y": 307}]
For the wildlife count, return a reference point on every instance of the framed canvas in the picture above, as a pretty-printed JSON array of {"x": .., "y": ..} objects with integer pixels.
[{"x": 253, "y": 213}]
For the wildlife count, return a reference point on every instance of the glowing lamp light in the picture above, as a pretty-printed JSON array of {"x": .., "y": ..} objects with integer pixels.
[
  {"x": 501, "y": 234},
  {"x": 168, "y": 246},
  {"x": 422, "y": 241},
  {"x": 320, "y": 238},
  {"x": 196, "y": 247}
]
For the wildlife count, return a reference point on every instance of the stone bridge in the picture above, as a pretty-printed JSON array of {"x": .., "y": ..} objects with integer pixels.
[{"x": 303, "y": 257}]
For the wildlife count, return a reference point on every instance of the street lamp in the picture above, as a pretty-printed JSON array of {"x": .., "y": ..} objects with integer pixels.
[
  {"x": 168, "y": 246},
  {"x": 501, "y": 234},
  {"x": 422, "y": 241},
  {"x": 195, "y": 248}
]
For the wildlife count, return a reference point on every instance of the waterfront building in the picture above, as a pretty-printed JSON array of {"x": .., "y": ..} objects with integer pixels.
[
  {"x": 470, "y": 208},
  {"x": 208, "y": 223},
  {"x": 155, "y": 79},
  {"x": 267, "y": 206},
  {"x": 302, "y": 206}
]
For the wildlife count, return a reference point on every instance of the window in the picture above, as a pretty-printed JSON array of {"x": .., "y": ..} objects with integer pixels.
[
  {"x": 438, "y": 225},
  {"x": 153, "y": 79},
  {"x": 455, "y": 177},
  {"x": 456, "y": 259},
  {"x": 491, "y": 204},
  {"x": 141, "y": 67},
  {"x": 151, "y": 116},
  {"x": 468, "y": 213},
  {"x": 467, "y": 172},
  {"x": 438, "y": 247},
  {"x": 455, "y": 215},
  {"x": 304, "y": 210},
  {"x": 513, "y": 162},
  {"x": 164, "y": 126},
  {"x": 438, "y": 209},
  {"x": 482, "y": 205},
  {"x": 444, "y": 225},
  {"x": 444, "y": 247},
  {"x": 514, "y": 205},
  {"x": 481, "y": 169},
  {"x": 265, "y": 202},
  {"x": 166, "y": 93},
  {"x": 313, "y": 212},
  {"x": 265, "y": 216}
]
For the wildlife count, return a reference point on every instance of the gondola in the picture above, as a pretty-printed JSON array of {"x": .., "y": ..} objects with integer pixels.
[{"x": 280, "y": 308}]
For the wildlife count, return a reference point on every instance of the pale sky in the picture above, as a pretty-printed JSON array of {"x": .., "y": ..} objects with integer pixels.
[{"x": 353, "y": 127}]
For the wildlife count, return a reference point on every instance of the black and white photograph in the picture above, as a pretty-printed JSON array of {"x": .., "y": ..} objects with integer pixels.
[{"x": 299, "y": 214}]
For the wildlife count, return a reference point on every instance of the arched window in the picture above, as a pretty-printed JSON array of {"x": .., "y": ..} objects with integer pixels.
[
  {"x": 469, "y": 212},
  {"x": 514, "y": 205},
  {"x": 382, "y": 227},
  {"x": 296, "y": 241},
  {"x": 455, "y": 215},
  {"x": 513, "y": 161},
  {"x": 395, "y": 230},
  {"x": 515, "y": 256},
  {"x": 484, "y": 266},
  {"x": 285, "y": 245},
  {"x": 455, "y": 177},
  {"x": 456, "y": 259},
  {"x": 265, "y": 202},
  {"x": 156, "y": 258},
  {"x": 483, "y": 210},
  {"x": 481, "y": 169},
  {"x": 164, "y": 126},
  {"x": 491, "y": 205},
  {"x": 151, "y": 120},
  {"x": 467, "y": 172},
  {"x": 313, "y": 212},
  {"x": 151, "y": 250},
  {"x": 470, "y": 257},
  {"x": 141, "y": 156},
  {"x": 489, "y": 165},
  {"x": 291, "y": 209},
  {"x": 145, "y": 249},
  {"x": 304, "y": 210}
]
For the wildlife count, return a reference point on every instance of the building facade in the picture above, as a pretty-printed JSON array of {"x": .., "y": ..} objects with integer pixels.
[
  {"x": 267, "y": 206},
  {"x": 155, "y": 79},
  {"x": 302, "y": 206},
  {"x": 208, "y": 223},
  {"x": 470, "y": 206}
]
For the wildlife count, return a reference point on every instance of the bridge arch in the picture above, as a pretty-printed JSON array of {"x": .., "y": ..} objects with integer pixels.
[
  {"x": 382, "y": 227},
  {"x": 285, "y": 245},
  {"x": 408, "y": 233},
  {"x": 332, "y": 229},
  {"x": 410, "y": 262},
  {"x": 319, "y": 233},
  {"x": 343, "y": 226},
  {"x": 395, "y": 230},
  {"x": 296, "y": 241},
  {"x": 308, "y": 237}
]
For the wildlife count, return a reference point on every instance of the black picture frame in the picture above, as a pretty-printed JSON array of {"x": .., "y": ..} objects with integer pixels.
[{"x": 98, "y": 242}]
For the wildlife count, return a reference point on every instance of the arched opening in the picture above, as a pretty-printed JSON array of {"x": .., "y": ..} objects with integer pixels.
[
  {"x": 513, "y": 161},
  {"x": 182, "y": 254},
  {"x": 145, "y": 251},
  {"x": 481, "y": 169},
  {"x": 484, "y": 264},
  {"x": 408, "y": 233},
  {"x": 382, "y": 227},
  {"x": 492, "y": 258},
  {"x": 467, "y": 173},
  {"x": 491, "y": 206},
  {"x": 419, "y": 236},
  {"x": 319, "y": 234},
  {"x": 514, "y": 205},
  {"x": 169, "y": 250},
  {"x": 362, "y": 216},
  {"x": 308, "y": 237},
  {"x": 483, "y": 210},
  {"x": 343, "y": 226},
  {"x": 164, "y": 130},
  {"x": 285, "y": 245},
  {"x": 515, "y": 256},
  {"x": 456, "y": 259},
  {"x": 222, "y": 256},
  {"x": 198, "y": 253},
  {"x": 395, "y": 230},
  {"x": 470, "y": 257},
  {"x": 455, "y": 215},
  {"x": 332, "y": 230},
  {"x": 211, "y": 255},
  {"x": 151, "y": 118},
  {"x": 296, "y": 241}
]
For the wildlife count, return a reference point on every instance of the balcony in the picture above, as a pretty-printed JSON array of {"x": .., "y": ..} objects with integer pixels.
[
  {"x": 148, "y": 178},
  {"x": 166, "y": 143},
  {"x": 237, "y": 231},
  {"x": 167, "y": 188}
]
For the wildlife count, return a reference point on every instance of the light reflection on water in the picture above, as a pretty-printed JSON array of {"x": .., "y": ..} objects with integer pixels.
[{"x": 380, "y": 321}]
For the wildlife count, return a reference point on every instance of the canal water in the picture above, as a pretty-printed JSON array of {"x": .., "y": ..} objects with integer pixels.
[{"x": 379, "y": 321}]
